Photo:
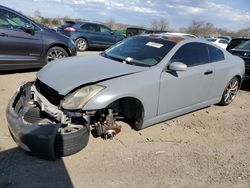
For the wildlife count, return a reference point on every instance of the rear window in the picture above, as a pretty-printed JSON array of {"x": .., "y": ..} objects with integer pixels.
[{"x": 68, "y": 24}]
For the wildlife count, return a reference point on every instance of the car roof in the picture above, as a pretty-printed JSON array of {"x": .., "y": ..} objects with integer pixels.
[
  {"x": 172, "y": 38},
  {"x": 182, "y": 34}
]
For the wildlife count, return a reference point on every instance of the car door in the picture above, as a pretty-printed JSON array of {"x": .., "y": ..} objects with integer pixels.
[
  {"x": 107, "y": 37},
  {"x": 92, "y": 33},
  {"x": 181, "y": 89},
  {"x": 17, "y": 46}
]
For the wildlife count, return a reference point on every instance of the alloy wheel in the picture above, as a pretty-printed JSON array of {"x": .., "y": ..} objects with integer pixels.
[
  {"x": 55, "y": 54},
  {"x": 231, "y": 90}
]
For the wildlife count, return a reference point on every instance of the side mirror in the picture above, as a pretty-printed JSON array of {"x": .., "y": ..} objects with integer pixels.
[
  {"x": 29, "y": 29},
  {"x": 177, "y": 66},
  {"x": 112, "y": 33}
]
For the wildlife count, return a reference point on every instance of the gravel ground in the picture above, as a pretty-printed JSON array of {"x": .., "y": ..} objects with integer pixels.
[{"x": 206, "y": 148}]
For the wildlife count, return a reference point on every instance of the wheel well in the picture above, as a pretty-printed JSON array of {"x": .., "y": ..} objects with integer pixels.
[
  {"x": 62, "y": 46},
  {"x": 131, "y": 109},
  {"x": 239, "y": 77}
]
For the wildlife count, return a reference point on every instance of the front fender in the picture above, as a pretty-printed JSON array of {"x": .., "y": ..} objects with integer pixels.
[
  {"x": 143, "y": 86},
  {"x": 104, "y": 99}
]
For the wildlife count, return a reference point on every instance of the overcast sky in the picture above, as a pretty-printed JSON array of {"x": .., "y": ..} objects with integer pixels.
[{"x": 230, "y": 14}]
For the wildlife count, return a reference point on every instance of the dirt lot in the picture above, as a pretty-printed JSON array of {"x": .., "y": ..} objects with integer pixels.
[{"x": 207, "y": 148}]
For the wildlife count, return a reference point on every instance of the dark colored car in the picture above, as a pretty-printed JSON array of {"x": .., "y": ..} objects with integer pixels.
[
  {"x": 235, "y": 42},
  {"x": 243, "y": 51},
  {"x": 153, "y": 32},
  {"x": 132, "y": 31},
  {"x": 90, "y": 35},
  {"x": 27, "y": 44}
]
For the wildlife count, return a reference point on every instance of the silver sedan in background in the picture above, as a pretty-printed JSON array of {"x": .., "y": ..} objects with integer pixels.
[{"x": 142, "y": 80}]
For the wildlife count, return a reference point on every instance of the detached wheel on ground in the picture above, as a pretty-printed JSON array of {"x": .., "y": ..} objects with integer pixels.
[
  {"x": 81, "y": 44},
  {"x": 230, "y": 91},
  {"x": 56, "y": 53},
  {"x": 70, "y": 140}
]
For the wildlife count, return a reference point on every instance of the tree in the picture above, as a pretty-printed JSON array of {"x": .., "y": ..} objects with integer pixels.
[
  {"x": 55, "y": 22},
  {"x": 161, "y": 24},
  {"x": 110, "y": 23}
]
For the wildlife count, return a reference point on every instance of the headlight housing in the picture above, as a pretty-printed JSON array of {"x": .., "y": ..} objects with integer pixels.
[{"x": 80, "y": 97}]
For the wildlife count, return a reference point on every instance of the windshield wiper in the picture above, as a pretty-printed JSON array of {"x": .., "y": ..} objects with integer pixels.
[
  {"x": 112, "y": 57},
  {"x": 122, "y": 60}
]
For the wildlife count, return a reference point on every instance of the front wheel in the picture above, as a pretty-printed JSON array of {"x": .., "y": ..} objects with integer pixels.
[
  {"x": 230, "y": 91},
  {"x": 55, "y": 53}
]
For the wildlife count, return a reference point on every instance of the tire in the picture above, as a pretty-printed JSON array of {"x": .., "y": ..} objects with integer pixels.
[
  {"x": 55, "y": 53},
  {"x": 230, "y": 91},
  {"x": 68, "y": 143},
  {"x": 81, "y": 44}
]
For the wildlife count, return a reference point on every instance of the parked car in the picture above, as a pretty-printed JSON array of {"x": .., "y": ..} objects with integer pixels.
[
  {"x": 26, "y": 44},
  {"x": 132, "y": 31},
  {"x": 142, "y": 80},
  {"x": 243, "y": 51},
  {"x": 218, "y": 41},
  {"x": 153, "y": 32},
  {"x": 90, "y": 35},
  {"x": 228, "y": 38},
  {"x": 235, "y": 42},
  {"x": 182, "y": 34}
]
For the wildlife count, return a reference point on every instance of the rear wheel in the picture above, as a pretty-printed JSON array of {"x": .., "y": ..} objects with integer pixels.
[
  {"x": 81, "y": 44},
  {"x": 55, "y": 53},
  {"x": 230, "y": 91}
]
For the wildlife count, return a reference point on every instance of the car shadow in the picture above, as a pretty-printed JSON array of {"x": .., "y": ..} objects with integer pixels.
[
  {"x": 18, "y": 169},
  {"x": 19, "y": 71},
  {"x": 245, "y": 85}
]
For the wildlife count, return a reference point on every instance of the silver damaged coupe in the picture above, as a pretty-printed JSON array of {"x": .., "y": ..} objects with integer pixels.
[{"x": 142, "y": 80}]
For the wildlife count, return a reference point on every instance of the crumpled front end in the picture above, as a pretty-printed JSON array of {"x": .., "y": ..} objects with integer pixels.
[{"x": 35, "y": 124}]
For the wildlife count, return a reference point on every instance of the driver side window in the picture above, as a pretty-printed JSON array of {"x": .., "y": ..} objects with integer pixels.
[
  {"x": 9, "y": 20},
  {"x": 192, "y": 54},
  {"x": 105, "y": 29}
]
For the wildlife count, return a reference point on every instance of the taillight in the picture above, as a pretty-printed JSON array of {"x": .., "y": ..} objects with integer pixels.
[{"x": 69, "y": 29}]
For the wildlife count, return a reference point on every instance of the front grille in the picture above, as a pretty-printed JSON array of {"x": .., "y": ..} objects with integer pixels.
[{"x": 50, "y": 94}]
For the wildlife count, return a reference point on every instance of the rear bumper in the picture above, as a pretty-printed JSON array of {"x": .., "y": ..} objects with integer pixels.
[{"x": 35, "y": 138}]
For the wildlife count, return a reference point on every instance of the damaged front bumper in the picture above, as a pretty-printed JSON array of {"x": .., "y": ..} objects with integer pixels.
[{"x": 33, "y": 122}]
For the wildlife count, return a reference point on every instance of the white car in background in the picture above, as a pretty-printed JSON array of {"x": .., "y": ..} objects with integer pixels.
[{"x": 220, "y": 42}]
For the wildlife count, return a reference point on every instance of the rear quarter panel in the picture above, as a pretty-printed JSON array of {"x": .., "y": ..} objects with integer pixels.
[{"x": 224, "y": 71}]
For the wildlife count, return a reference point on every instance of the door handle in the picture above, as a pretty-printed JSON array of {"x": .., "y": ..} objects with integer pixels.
[
  {"x": 208, "y": 72},
  {"x": 3, "y": 35}
]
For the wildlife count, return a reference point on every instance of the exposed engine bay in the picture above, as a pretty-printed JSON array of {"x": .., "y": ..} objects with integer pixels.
[{"x": 100, "y": 122}]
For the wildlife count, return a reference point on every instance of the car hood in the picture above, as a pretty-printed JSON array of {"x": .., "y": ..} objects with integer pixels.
[{"x": 66, "y": 74}]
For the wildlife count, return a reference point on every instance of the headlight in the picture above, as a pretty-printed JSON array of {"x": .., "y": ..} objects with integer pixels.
[{"x": 80, "y": 97}]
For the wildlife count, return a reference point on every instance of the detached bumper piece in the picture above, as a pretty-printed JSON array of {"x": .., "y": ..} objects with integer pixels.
[{"x": 38, "y": 133}]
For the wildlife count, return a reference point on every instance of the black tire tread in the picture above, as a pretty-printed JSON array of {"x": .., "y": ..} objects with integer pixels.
[{"x": 68, "y": 144}]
